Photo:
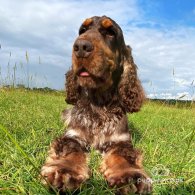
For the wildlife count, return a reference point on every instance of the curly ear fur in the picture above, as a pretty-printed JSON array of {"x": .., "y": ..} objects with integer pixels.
[
  {"x": 129, "y": 88},
  {"x": 72, "y": 88}
]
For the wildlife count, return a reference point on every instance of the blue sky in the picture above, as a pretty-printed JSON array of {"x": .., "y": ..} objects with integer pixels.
[
  {"x": 161, "y": 33},
  {"x": 174, "y": 12}
]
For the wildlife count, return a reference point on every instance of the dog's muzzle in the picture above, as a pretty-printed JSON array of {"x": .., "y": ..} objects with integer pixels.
[{"x": 82, "y": 48}]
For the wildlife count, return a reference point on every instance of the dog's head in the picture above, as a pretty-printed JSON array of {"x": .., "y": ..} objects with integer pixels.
[
  {"x": 98, "y": 52},
  {"x": 101, "y": 60}
]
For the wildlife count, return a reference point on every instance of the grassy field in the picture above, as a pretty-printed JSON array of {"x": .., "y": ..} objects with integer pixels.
[{"x": 30, "y": 120}]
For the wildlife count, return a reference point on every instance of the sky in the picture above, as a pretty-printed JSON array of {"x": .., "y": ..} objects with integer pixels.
[{"x": 36, "y": 39}]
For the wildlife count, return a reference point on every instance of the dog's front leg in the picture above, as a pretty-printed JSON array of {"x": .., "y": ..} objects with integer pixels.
[
  {"x": 122, "y": 166},
  {"x": 66, "y": 166}
]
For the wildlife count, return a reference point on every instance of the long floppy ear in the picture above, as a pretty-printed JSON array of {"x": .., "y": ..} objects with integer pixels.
[
  {"x": 72, "y": 88},
  {"x": 130, "y": 90}
]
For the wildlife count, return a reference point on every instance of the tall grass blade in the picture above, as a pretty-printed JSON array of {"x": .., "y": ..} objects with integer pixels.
[
  {"x": 24, "y": 154},
  {"x": 14, "y": 75},
  {"x": 27, "y": 58},
  {"x": 187, "y": 149},
  {"x": 39, "y": 60},
  {"x": 182, "y": 96},
  {"x": 18, "y": 147}
]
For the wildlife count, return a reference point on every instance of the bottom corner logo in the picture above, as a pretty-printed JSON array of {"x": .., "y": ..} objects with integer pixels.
[{"x": 160, "y": 170}]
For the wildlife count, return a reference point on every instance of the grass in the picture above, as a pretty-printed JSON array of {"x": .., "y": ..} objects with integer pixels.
[{"x": 30, "y": 120}]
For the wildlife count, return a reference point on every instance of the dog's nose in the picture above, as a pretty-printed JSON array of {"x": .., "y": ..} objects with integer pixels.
[{"x": 82, "y": 48}]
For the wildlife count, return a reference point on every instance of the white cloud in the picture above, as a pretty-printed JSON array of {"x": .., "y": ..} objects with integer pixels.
[
  {"x": 160, "y": 52},
  {"x": 182, "y": 82},
  {"x": 167, "y": 96}
]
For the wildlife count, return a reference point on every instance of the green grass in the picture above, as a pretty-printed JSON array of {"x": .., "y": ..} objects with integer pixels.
[{"x": 31, "y": 120}]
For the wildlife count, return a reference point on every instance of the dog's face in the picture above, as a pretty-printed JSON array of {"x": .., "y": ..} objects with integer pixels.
[{"x": 98, "y": 53}]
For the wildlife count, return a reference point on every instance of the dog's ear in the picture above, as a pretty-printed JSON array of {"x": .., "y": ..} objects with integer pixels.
[
  {"x": 130, "y": 90},
  {"x": 72, "y": 88}
]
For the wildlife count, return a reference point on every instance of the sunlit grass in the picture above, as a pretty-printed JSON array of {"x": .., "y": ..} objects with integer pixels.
[{"x": 165, "y": 134}]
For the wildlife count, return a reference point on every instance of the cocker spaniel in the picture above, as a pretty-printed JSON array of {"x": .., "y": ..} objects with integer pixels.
[{"x": 103, "y": 86}]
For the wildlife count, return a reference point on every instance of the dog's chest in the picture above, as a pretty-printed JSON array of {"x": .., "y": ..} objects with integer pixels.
[
  {"x": 96, "y": 125},
  {"x": 95, "y": 119}
]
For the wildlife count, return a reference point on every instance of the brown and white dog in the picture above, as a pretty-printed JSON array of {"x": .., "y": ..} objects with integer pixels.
[{"x": 103, "y": 86}]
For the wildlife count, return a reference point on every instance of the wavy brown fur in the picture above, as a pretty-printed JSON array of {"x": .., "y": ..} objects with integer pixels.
[
  {"x": 130, "y": 89},
  {"x": 103, "y": 86}
]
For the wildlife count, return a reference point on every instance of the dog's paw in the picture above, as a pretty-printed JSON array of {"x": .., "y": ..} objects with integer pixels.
[
  {"x": 139, "y": 181},
  {"x": 128, "y": 179},
  {"x": 62, "y": 177}
]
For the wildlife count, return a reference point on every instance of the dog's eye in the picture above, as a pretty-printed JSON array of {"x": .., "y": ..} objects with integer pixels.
[
  {"x": 82, "y": 30},
  {"x": 110, "y": 32}
]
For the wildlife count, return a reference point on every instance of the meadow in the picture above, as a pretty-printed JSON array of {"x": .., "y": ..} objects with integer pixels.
[{"x": 30, "y": 120}]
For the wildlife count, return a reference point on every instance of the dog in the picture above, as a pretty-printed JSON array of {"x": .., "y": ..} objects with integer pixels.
[{"x": 102, "y": 86}]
